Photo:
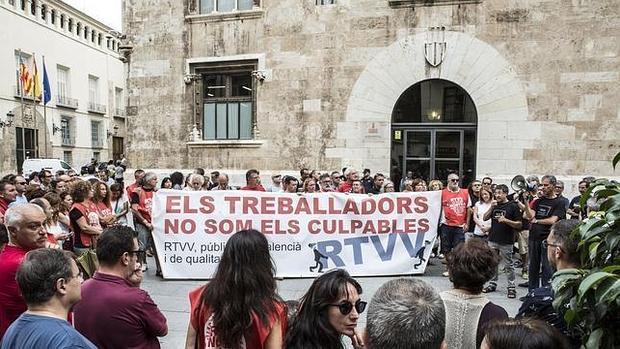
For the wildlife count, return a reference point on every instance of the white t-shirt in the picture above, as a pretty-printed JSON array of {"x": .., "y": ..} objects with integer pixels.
[{"x": 481, "y": 209}]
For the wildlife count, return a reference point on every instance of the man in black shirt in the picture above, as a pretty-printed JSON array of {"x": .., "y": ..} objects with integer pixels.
[
  {"x": 377, "y": 184},
  {"x": 574, "y": 209},
  {"x": 505, "y": 218},
  {"x": 543, "y": 213}
]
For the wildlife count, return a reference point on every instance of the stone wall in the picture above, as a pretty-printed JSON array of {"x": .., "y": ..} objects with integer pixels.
[{"x": 558, "y": 112}]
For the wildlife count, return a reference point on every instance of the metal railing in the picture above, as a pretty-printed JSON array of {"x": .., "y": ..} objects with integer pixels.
[
  {"x": 64, "y": 101},
  {"x": 18, "y": 93},
  {"x": 96, "y": 108},
  {"x": 68, "y": 141},
  {"x": 97, "y": 143}
]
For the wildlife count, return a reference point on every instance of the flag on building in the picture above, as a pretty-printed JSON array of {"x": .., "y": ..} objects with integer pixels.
[
  {"x": 24, "y": 77},
  {"x": 47, "y": 92},
  {"x": 36, "y": 85}
]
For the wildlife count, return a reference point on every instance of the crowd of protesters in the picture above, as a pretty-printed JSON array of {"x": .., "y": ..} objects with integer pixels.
[{"x": 46, "y": 220}]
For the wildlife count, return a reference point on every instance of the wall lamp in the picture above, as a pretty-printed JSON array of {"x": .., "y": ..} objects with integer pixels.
[{"x": 10, "y": 116}]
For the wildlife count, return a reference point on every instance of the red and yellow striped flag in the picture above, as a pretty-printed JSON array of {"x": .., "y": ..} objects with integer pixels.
[{"x": 25, "y": 78}]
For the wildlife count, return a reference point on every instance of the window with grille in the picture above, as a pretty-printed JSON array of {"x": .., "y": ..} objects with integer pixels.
[
  {"x": 228, "y": 105},
  {"x": 210, "y": 6}
]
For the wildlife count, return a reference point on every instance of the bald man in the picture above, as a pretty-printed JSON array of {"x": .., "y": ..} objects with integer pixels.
[{"x": 25, "y": 224}]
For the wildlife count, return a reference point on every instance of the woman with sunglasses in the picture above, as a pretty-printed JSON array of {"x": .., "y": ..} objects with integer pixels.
[
  {"x": 329, "y": 310},
  {"x": 239, "y": 308}
]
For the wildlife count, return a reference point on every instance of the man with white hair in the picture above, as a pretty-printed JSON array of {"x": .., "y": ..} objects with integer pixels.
[
  {"x": 351, "y": 176},
  {"x": 406, "y": 313},
  {"x": 141, "y": 203},
  {"x": 196, "y": 182},
  {"x": 26, "y": 226}
]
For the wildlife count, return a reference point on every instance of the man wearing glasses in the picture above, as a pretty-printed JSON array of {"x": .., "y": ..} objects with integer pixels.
[
  {"x": 114, "y": 312},
  {"x": 20, "y": 187},
  {"x": 454, "y": 204},
  {"x": 562, "y": 254},
  {"x": 49, "y": 281},
  {"x": 45, "y": 177},
  {"x": 487, "y": 182}
]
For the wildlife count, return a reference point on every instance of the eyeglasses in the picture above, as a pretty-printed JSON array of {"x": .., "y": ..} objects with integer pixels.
[
  {"x": 486, "y": 183},
  {"x": 546, "y": 244},
  {"x": 346, "y": 307},
  {"x": 453, "y": 180},
  {"x": 138, "y": 253},
  {"x": 21, "y": 183}
]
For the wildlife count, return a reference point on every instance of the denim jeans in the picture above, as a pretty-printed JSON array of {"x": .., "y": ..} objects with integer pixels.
[
  {"x": 505, "y": 252},
  {"x": 450, "y": 237},
  {"x": 538, "y": 259}
]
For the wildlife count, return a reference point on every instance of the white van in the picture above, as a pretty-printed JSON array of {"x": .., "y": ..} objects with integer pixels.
[{"x": 36, "y": 165}]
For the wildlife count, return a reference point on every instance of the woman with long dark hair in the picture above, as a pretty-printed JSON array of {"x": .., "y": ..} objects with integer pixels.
[
  {"x": 239, "y": 308},
  {"x": 101, "y": 199},
  {"x": 329, "y": 310}
]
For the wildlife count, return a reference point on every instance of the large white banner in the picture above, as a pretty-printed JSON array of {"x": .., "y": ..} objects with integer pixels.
[{"x": 308, "y": 234}]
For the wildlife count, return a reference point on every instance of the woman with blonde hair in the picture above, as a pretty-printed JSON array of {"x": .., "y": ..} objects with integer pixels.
[{"x": 435, "y": 184}]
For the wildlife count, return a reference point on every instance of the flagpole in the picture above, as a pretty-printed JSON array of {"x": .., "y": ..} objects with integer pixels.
[
  {"x": 34, "y": 107},
  {"x": 21, "y": 95},
  {"x": 45, "y": 113}
]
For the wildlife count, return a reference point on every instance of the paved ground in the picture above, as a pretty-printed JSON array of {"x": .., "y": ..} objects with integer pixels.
[{"x": 171, "y": 296}]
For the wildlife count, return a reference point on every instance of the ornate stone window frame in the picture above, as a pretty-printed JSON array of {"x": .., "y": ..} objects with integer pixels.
[
  {"x": 194, "y": 15},
  {"x": 197, "y": 65}
]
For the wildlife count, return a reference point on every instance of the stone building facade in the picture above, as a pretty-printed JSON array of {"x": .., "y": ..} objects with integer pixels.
[
  {"x": 85, "y": 117},
  {"x": 490, "y": 87}
]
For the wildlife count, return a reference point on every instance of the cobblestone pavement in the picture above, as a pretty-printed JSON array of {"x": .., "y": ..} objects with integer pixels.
[{"x": 172, "y": 296}]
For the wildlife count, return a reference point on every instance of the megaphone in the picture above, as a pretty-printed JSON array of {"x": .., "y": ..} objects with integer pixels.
[{"x": 519, "y": 183}]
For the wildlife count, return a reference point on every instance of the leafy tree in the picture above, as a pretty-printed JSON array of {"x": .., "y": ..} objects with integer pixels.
[{"x": 589, "y": 297}]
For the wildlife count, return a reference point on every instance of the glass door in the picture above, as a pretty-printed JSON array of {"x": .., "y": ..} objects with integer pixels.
[
  {"x": 27, "y": 141},
  {"x": 434, "y": 153}
]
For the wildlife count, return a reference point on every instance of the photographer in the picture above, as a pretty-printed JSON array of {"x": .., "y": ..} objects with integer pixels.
[{"x": 542, "y": 214}]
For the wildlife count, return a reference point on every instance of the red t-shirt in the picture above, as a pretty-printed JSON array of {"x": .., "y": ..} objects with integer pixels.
[
  {"x": 207, "y": 338},
  {"x": 12, "y": 305},
  {"x": 345, "y": 187},
  {"x": 130, "y": 189},
  {"x": 4, "y": 205},
  {"x": 454, "y": 205},
  {"x": 104, "y": 210},
  {"x": 256, "y": 188}
]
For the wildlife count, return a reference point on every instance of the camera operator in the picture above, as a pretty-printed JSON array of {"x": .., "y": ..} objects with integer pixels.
[{"x": 542, "y": 214}]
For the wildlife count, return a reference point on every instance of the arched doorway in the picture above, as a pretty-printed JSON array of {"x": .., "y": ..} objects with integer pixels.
[{"x": 433, "y": 133}]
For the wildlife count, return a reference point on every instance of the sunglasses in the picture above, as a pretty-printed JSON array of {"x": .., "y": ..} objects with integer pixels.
[
  {"x": 346, "y": 307},
  {"x": 454, "y": 180}
]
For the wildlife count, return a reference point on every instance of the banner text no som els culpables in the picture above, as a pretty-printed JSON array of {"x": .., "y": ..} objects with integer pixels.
[{"x": 374, "y": 235}]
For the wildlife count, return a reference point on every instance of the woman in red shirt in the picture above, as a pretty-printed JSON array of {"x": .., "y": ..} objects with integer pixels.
[
  {"x": 239, "y": 308},
  {"x": 101, "y": 198}
]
